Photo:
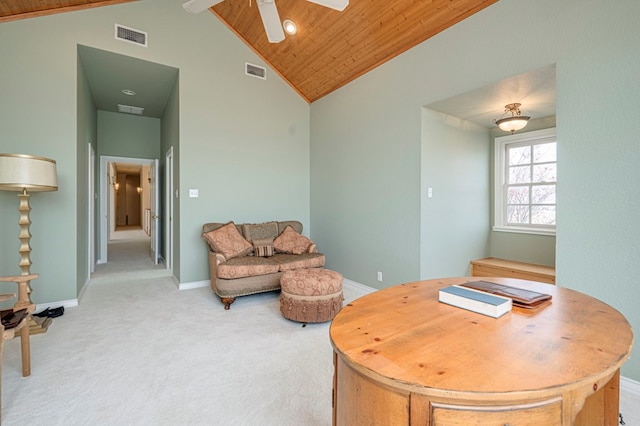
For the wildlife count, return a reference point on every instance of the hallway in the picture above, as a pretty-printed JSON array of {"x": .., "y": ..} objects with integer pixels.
[{"x": 128, "y": 252}]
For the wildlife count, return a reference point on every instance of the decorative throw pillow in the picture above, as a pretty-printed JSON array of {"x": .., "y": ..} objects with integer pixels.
[
  {"x": 263, "y": 247},
  {"x": 296, "y": 225},
  {"x": 289, "y": 241},
  {"x": 228, "y": 241},
  {"x": 260, "y": 231}
]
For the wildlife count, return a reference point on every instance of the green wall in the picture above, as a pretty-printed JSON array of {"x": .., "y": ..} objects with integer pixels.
[
  {"x": 87, "y": 124},
  {"x": 170, "y": 138},
  {"x": 38, "y": 116},
  {"x": 126, "y": 135},
  {"x": 598, "y": 240},
  {"x": 365, "y": 183},
  {"x": 369, "y": 133},
  {"x": 455, "y": 164},
  {"x": 244, "y": 142}
]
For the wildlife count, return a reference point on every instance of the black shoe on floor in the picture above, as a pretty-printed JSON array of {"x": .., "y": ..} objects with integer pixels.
[
  {"x": 55, "y": 312},
  {"x": 44, "y": 313}
]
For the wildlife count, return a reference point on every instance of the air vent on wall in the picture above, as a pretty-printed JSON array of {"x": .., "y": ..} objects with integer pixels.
[
  {"x": 130, "y": 35},
  {"x": 255, "y": 71},
  {"x": 130, "y": 109}
]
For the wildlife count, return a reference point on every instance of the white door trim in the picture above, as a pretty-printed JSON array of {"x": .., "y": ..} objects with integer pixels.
[
  {"x": 92, "y": 205},
  {"x": 168, "y": 210},
  {"x": 155, "y": 211}
]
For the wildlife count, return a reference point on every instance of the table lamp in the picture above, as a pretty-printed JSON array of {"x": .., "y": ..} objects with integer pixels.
[{"x": 24, "y": 174}]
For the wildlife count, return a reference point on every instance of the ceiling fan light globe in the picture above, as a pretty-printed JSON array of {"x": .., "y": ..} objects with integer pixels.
[{"x": 290, "y": 27}]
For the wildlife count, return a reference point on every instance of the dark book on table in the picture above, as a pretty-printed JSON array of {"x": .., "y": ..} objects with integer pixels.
[
  {"x": 11, "y": 318},
  {"x": 520, "y": 297}
]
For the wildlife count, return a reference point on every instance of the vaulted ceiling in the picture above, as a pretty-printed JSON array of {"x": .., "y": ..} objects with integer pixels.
[
  {"x": 333, "y": 48},
  {"x": 330, "y": 49}
]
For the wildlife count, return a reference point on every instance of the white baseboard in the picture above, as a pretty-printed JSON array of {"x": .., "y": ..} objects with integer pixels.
[
  {"x": 194, "y": 284},
  {"x": 630, "y": 386},
  {"x": 66, "y": 303},
  {"x": 359, "y": 286}
]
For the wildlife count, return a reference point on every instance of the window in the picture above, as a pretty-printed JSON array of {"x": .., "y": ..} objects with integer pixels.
[{"x": 525, "y": 182}]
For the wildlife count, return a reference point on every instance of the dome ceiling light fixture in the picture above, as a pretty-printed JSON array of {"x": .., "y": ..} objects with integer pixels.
[{"x": 515, "y": 122}]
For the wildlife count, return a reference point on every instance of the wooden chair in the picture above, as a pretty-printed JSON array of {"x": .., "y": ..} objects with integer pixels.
[{"x": 24, "y": 302}]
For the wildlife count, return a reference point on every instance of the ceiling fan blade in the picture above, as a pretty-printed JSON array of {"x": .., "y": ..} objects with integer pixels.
[
  {"x": 197, "y": 6},
  {"x": 333, "y": 4},
  {"x": 271, "y": 20}
]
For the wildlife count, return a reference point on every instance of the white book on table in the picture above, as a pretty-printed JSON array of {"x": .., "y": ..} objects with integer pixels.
[{"x": 474, "y": 300}]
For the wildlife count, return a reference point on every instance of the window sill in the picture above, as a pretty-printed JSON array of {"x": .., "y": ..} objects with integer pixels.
[{"x": 517, "y": 230}]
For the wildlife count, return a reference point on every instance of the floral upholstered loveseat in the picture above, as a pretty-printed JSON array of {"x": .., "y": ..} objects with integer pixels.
[{"x": 250, "y": 258}]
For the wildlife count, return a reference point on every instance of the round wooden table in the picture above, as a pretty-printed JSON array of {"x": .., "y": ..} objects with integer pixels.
[{"x": 401, "y": 357}]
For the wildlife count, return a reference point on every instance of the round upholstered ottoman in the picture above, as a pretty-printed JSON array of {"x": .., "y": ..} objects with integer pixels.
[{"x": 310, "y": 295}]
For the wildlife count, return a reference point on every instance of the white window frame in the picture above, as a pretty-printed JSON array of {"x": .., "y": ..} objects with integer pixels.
[{"x": 499, "y": 179}]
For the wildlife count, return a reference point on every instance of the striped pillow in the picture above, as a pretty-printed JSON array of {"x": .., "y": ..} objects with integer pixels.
[{"x": 263, "y": 247}]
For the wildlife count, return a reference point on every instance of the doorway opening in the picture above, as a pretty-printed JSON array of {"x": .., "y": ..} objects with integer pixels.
[
  {"x": 107, "y": 80},
  {"x": 128, "y": 191},
  {"x": 131, "y": 202}
]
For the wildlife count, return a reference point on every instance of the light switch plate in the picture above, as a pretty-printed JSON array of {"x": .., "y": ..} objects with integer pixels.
[{"x": 193, "y": 193}]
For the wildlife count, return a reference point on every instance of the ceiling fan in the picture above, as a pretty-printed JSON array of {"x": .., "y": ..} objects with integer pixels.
[{"x": 268, "y": 13}]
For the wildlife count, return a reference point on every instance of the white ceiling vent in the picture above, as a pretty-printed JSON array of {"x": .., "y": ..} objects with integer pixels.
[
  {"x": 255, "y": 71},
  {"x": 130, "y": 109},
  {"x": 130, "y": 35}
]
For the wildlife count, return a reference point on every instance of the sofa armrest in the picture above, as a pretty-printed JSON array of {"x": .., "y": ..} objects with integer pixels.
[
  {"x": 214, "y": 260},
  {"x": 219, "y": 258},
  {"x": 312, "y": 249}
]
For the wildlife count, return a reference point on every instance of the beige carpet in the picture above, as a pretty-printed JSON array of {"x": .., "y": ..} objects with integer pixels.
[
  {"x": 136, "y": 351},
  {"x": 128, "y": 251}
]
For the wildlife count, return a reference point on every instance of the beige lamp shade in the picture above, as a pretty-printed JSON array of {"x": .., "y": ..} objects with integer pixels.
[{"x": 35, "y": 174}]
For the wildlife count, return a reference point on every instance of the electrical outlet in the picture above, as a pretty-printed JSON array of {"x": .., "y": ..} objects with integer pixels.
[{"x": 379, "y": 276}]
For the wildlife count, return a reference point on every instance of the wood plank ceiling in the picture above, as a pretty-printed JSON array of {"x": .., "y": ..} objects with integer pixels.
[
  {"x": 10, "y": 10},
  {"x": 330, "y": 49}
]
